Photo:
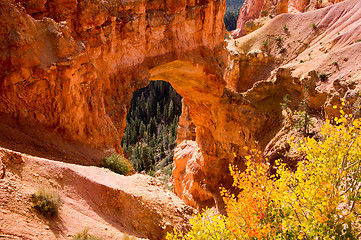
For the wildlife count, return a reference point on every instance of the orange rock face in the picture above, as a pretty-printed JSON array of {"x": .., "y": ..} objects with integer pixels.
[
  {"x": 257, "y": 77},
  {"x": 72, "y": 66},
  {"x": 254, "y": 9},
  {"x": 186, "y": 128},
  {"x": 189, "y": 183},
  {"x": 315, "y": 62}
]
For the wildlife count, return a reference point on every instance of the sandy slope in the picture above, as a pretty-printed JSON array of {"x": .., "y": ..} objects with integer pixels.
[
  {"x": 326, "y": 40},
  {"x": 110, "y": 205}
]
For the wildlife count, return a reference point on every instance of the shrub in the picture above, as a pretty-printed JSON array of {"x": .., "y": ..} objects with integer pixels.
[
  {"x": 323, "y": 77},
  {"x": 314, "y": 26},
  {"x": 116, "y": 163},
  {"x": 265, "y": 43},
  {"x": 46, "y": 202},
  {"x": 278, "y": 39},
  {"x": 85, "y": 235},
  {"x": 207, "y": 225},
  {"x": 319, "y": 200},
  {"x": 285, "y": 28}
]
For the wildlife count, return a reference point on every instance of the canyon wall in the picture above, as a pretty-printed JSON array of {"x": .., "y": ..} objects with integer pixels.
[
  {"x": 315, "y": 63},
  {"x": 72, "y": 66},
  {"x": 254, "y": 13}
]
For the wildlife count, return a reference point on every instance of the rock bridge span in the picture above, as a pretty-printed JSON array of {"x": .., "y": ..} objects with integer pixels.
[{"x": 72, "y": 66}]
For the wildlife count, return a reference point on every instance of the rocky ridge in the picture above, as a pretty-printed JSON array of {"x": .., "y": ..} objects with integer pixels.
[{"x": 254, "y": 13}]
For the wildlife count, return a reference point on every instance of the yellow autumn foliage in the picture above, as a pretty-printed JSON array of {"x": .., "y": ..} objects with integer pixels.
[{"x": 319, "y": 200}]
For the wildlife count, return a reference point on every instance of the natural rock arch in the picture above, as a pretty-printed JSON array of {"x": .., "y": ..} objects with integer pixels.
[
  {"x": 72, "y": 68},
  {"x": 77, "y": 65}
]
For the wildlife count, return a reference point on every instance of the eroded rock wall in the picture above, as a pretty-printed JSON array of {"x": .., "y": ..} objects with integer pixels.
[
  {"x": 315, "y": 63},
  {"x": 72, "y": 66}
]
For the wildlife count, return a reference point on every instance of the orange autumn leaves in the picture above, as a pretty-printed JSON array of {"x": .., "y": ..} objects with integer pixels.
[{"x": 320, "y": 200}]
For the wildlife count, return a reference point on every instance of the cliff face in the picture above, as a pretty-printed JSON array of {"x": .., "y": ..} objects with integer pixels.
[
  {"x": 315, "y": 63},
  {"x": 255, "y": 9},
  {"x": 72, "y": 66}
]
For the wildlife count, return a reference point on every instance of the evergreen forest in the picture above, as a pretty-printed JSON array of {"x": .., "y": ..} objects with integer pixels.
[
  {"x": 151, "y": 132},
  {"x": 232, "y": 13}
]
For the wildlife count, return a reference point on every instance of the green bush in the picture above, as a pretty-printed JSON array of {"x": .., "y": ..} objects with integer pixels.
[
  {"x": 46, "y": 202},
  {"x": 85, "y": 235},
  {"x": 117, "y": 164},
  {"x": 323, "y": 77}
]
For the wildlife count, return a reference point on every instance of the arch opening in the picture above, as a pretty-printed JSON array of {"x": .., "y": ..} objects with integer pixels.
[{"x": 150, "y": 135}]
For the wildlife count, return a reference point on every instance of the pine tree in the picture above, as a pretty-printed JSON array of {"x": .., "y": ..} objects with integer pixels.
[
  {"x": 159, "y": 114},
  {"x": 146, "y": 158},
  {"x": 142, "y": 129},
  {"x": 152, "y": 126},
  {"x": 174, "y": 126},
  {"x": 171, "y": 111}
]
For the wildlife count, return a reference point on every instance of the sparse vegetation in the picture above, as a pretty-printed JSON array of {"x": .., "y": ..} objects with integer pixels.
[
  {"x": 359, "y": 40},
  {"x": 85, "y": 235},
  {"x": 285, "y": 28},
  {"x": 278, "y": 39},
  {"x": 46, "y": 202},
  {"x": 116, "y": 163},
  {"x": 323, "y": 77},
  {"x": 282, "y": 50},
  {"x": 265, "y": 43},
  {"x": 286, "y": 101},
  {"x": 303, "y": 119}
]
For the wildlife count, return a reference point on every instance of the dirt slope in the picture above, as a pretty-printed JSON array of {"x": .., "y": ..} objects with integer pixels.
[
  {"x": 313, "y": 57},
  {"x": 110, "y": 205},
  {"x": 325, "y": 40}
]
